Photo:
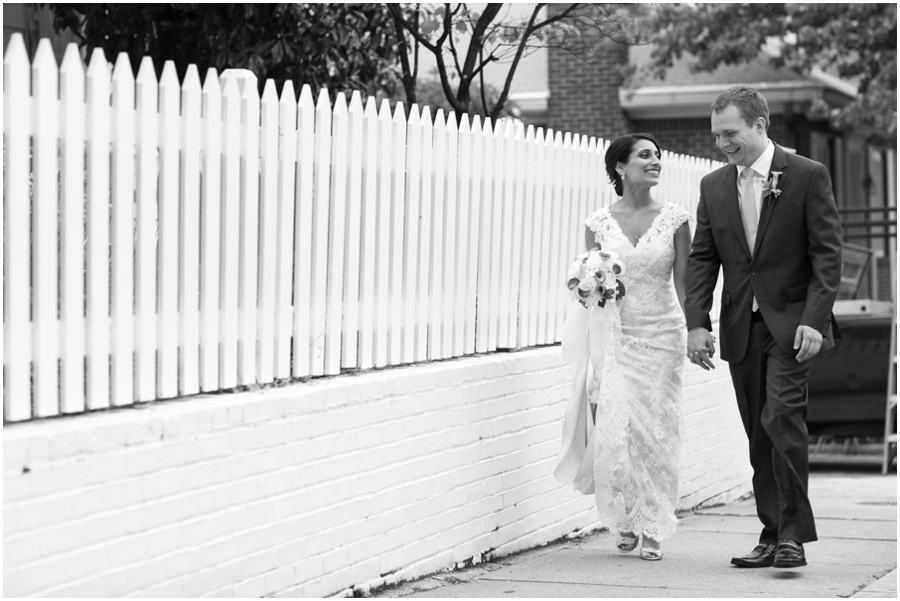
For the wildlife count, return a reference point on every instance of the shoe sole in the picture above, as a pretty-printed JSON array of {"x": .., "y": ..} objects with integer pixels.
[
  {"x": 791, "y": 564},
  {"x": 751, "y": 565}
]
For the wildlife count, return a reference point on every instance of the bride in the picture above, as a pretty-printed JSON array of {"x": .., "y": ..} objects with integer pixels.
[{"x": 630, "y": 356}]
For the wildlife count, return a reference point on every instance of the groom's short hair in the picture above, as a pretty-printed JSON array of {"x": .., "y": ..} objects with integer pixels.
[{"x": 751, "y": 104}]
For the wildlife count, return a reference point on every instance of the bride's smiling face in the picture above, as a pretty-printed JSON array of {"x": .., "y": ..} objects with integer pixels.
[{"x": 644, "y": 164}]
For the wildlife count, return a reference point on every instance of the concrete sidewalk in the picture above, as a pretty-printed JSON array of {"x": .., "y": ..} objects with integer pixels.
[{"x": 855, "y": 556}]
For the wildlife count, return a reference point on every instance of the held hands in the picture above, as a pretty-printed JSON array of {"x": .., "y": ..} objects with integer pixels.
[
  {"x": 701, "y": 348},
  {"x": 809, "y": 341}
]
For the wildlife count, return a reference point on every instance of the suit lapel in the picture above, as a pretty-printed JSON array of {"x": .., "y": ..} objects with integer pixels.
[
  {"x": 734, "y": 208},
  {"x": 779, "y": 163}
]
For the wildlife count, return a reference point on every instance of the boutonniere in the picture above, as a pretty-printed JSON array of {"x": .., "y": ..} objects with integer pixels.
[{"x": 770, "y": 186}]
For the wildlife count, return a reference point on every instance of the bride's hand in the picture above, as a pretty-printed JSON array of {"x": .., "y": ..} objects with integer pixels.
[{"x": 701, "y": 348}]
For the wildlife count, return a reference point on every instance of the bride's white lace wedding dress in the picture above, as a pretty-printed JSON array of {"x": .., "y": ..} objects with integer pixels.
[{"x": 629, "y": 357}]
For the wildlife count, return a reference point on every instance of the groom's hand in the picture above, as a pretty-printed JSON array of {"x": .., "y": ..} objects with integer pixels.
[
  {"x": 809, "y": 341},
  {"x": 701, "y": 347}
]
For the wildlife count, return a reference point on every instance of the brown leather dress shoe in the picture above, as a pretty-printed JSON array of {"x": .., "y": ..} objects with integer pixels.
[
  {"x": 763, "y": 556},
  {"x": 790, "y": 554}
]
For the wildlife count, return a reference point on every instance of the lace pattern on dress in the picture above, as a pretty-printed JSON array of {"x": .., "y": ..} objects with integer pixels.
[{"x": 637, "y": 385}]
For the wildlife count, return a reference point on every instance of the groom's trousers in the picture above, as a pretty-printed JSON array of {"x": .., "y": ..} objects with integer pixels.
[{"x": 771, "y": 390}]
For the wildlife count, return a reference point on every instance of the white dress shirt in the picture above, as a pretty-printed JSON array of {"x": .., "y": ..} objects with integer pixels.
[{"x": 761, "y": 167}]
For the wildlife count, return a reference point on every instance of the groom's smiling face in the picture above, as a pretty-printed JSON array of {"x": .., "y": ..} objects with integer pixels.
[{"x": 741, "y": 142}]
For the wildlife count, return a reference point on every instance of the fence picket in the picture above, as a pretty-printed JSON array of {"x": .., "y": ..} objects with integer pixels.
[
  {"x": 98, "y": 122},
  {"x": 122, "y": 202},
  {"x": 337, "y": 235},
  {"x": 372, "y": 219},
  {"x": 268, "y": 233},
  {"x": 399, "y": 153},
  {"x": 145, "y": 275},
  {"x": 503, "y": 184},
  {"x": 481, "y": 194},
  {"x": 71, "y": 245},
  {"x": 387, "y": 339},
  {"x": 352, "y": 263},
  {"x": 411, "y": 213},
  {"x": 16, "y": 231},
  {"x": 210, "y": 231},
  {"x": 230, "y": 235},
  {"x": 463, "y": 317},
  {"x": 287, "y": 164},
  {"x": 496, "y": 161},
  {"x": 432, "y": 237},
  {"x": 517, "y": 206},
  {"x": 189, "y": 227},
  {"x": 321, "y": 208},
  {"x": 44, "y": 78},
  {"x": 451, "y": 248},
  {"x": 304, "y": 200},
  {"x": 167, "y": 303},
  {"x": 248, "y": 278},
  {"x": 530, "y": 244}
]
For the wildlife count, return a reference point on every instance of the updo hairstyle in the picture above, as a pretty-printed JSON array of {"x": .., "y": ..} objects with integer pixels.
[{"x": 619, "y": 151}]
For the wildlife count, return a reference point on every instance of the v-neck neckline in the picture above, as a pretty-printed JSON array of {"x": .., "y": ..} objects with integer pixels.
[{"x": 643, "y": 234}]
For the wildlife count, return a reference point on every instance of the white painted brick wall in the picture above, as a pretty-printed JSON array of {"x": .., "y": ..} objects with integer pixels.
[{"x": 314, "y": 488}]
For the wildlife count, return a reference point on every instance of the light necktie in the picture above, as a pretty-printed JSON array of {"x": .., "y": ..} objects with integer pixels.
[{"x": 749, "y": 214}]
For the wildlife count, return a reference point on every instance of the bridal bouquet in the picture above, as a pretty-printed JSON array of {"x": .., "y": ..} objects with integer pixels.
[{"x": 593, "y": 277}]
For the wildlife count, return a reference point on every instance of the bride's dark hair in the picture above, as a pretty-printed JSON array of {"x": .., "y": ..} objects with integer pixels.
[{"x": 619, "y": 151}]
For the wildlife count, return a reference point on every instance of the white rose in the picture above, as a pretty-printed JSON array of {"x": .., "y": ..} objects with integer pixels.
[{"x": 587, "y": 284}]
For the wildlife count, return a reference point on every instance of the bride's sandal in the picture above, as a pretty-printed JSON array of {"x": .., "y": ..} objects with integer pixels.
[
  {"x": 627, "y": 542},
  {"x": 650, "y": 553}
]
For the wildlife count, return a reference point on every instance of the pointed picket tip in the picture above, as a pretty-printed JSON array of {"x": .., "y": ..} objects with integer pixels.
[
  {"x": 529, "y": 133},
  {"x": 476, "y": 123},
  {"x": 414, "y": 116},
  {"x": 451, "y": 121},
  {"x": 211, "y": 85},
  {"x": 592, "y": 145},
  {"x": 385, "y": 110},
  {"x": 371, "y": 108},
  {"x": 399, "y": 113},
  {"x": 356, "y": 101},
  {"x": 567, "y": 140},
  {"x": 488, "y": 126},
  {"x": 191, "y": 79},
  {"x": 97, "y": 64},
  {"x": 122, "y": 69},
  {"x": 269, "y": 92},
  {"x": 306, "y": 95},
  {"x": 323, "y": 99},
  {"x": 146, "y": 72},
  {"x": 15, "y": 50},
  {"x": 426, "y": 114},
  {"x": 44, "y": 57},
  {"x": 169, "y": 75},
  {"x": 340, "y": 104},
  {"x": 72, "y": 59},
  {"x": 440, "y": 121},
  {"x": 464, "y": 125},
  {"x": 287, "y": 93}
]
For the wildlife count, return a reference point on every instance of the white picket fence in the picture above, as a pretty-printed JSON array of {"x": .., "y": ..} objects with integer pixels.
[{"x": 176, "y": 239}]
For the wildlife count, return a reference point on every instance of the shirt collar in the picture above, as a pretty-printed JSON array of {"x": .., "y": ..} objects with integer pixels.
[{"x": 763, "y": 163}]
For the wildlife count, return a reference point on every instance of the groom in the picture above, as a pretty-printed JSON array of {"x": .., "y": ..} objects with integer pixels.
[{"x": 769, "y": 220}]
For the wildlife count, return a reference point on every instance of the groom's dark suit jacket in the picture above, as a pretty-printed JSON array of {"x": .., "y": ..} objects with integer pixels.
[{"x": 794, "y": 271}]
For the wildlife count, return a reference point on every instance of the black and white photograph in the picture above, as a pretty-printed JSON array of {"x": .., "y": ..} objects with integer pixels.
[{"x": 508, "y": 300}]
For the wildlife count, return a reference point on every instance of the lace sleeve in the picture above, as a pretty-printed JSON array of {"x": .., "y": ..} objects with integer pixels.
[{"x": 676, "y": 215}]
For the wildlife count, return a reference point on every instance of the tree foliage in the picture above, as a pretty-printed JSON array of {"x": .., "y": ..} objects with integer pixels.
[
  {"x": 857, "y": 42},
  {"x": 463, "y": 41},
  {"x": 339, "y": 46}
]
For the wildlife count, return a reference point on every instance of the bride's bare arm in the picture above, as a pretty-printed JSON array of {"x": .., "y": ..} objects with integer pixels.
[
  {"x": 589, "y": 240},
  {"x": 682, "y": 250}
]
